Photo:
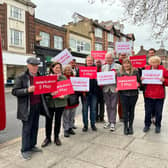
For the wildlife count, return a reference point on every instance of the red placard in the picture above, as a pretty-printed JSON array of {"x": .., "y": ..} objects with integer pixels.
[
  {"x": 89, "y": 72},
  {"x": 2, "y": 93},
  {"x": 127, "y": 83},
  {"x": 64, "y": 88},
  {"x": 98, "y": 55},
  {"x": 138, "y": 61},
  {"x": 45, "y": 84}
]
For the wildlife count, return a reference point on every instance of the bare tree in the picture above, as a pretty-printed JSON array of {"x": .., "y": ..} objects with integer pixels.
[{"x": 143, "y": 12}]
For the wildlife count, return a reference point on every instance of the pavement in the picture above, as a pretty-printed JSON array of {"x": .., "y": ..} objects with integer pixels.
[{"x": 101, "y": 149}]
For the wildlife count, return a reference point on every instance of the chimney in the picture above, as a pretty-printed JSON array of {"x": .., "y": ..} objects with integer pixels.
[{"x": 142, "y": 48}]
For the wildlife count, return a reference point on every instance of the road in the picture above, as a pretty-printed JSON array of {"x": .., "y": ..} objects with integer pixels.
[{"x": 13, "y": 126}]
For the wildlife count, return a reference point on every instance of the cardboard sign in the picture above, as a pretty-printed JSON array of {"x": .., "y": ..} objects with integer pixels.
[
  {"x": 98, "y": 55},
  {"x": 152, "y": 76},
  {"x": 64, "y": 88},
  {"x": 88, "y": 72},
  {"x": 106, "y": 78},
  {"x": 45, "y": 84},
  {"x": 123, "y": 47},
  {"x": 138, "y": 61},
  {"x": 64, "y": 57},
  {"x": 126, "y": 83},
  {"x": 80, "y": 84}
]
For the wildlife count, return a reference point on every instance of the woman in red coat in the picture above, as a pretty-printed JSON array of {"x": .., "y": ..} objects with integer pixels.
[{"x": 154, "y": 95}]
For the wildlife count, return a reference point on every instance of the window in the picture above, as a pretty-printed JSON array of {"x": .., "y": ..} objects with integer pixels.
[
  {"x": 58, "y": 42},
  {"x": 110, "y": 37},
  {"x": 110, "y": 49},
  {"x": 45, "y": 39},
  {"x": 79, "y": 46},
  {"x": 98, "y": 47},
  {"x": 16, "y": 38},
  {"x": 16, "y": 13},
  {"x": 98, "y": 32}
]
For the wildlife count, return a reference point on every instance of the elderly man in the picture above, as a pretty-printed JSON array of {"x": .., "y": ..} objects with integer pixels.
[
  {"x": 110, "y": 94},
  {"x": 29, "y": 106}
]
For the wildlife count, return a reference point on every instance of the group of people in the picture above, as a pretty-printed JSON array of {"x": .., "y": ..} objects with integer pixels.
[{"x": 30, "y": 106}]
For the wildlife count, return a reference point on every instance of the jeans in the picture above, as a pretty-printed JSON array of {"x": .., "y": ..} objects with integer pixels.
[
  {"x": 156, "y": 106},
  {"x": 89, "y": 100},
  {"x": 30, "y": 128},
  {"x": 128, "y": 106}
]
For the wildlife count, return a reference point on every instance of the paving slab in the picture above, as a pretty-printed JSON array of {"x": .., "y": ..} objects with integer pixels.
[
  {"x": 113, "y": 140},
  {"x": 102, "y": 155},
  {"x": 146, "y": 147},
  {"x": 74, "y": 163},
  {"x": 135, "y": 160}
]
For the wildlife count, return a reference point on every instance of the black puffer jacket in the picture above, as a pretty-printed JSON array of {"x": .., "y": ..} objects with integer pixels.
[{"x": 20, "y": 90}]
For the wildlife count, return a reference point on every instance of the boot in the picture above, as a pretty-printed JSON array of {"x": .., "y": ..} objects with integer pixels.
[
  {"x": 130, "y": 129},
  {"x": 125, "y": 128}
]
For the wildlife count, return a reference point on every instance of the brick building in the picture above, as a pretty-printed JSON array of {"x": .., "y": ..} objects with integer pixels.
[
  {"x": 17, "y": 29},
  {"x": 161, "y": 52}
]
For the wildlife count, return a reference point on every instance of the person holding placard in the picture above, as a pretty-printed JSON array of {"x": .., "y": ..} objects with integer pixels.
[
  {"x": 121, "y": 57},
  {"x": 29, "y": 107},
  {"x": 110, "y": 93},
  {"x": 89, "y": 100},
  {"x": 154, "y": 95},
  {"x": 128, "y": 97},
  {"x": 70, "y": 109},
  {"x": 56, "y": 107}
]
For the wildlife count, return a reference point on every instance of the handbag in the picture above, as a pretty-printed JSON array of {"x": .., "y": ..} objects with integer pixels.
[{"x": 73, "y": 99}]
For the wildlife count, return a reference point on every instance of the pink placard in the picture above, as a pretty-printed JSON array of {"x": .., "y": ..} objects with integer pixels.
[
  {"x": 64, "y": 88},
  {"x": 45, "y": 84},
  {"x": 98, "y": 55},
  {"x": 89, "y": 72},
  {"x": 127, "y": 83},
  {"x": 138, "y": 61}
]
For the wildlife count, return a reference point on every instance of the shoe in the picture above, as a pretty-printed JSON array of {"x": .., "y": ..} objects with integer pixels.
[
  {"x": 112, "y": 127},
  {"x": 130, "y": 131},
  {"x": 85, "y": 129},
  {"x": 26, "y": 155},
  {"x": 58, "y": 142},
  {"x": 35, "y": 149},
  {"x": 146, "y": 129},
  {"x": 157, "y": 130},
  {"x": 45, "y": 143},
  {"x": 107, "y": 125},
  {"x": 94, "y": 128},
  {"x": 66, "y": 134},
  {"x": 125, "y": 131},
  {"x": 74, "y": 127},
  {"x": 71, "y": 131}
]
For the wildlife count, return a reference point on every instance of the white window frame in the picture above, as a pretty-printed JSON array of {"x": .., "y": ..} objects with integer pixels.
[
  {"x": 58, "y": 42},
  {"x": 98, "y": 47},
  {"x": 16, "y": 38},
  {"x": 110, "y": 37},
  {"x": 110, "y": 49},
  {"x": 16, "y": 13},
  {"x": 45, "y": 39},
  {"x": 98, "y": 32}
]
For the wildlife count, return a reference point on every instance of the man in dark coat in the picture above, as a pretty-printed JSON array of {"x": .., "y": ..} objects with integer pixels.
[{"x": 29, "y": 107}]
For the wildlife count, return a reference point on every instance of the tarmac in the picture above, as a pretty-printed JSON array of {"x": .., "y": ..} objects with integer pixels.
[{"x": 101, "y": 149}]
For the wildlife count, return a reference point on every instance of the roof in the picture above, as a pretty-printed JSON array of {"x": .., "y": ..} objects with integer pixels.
[
  {"x": 50, "y": 25},
  {"x": 27, "y": 2}
]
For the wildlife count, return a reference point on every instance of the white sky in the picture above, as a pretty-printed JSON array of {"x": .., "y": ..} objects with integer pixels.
[{"x": 60, "y": 12}]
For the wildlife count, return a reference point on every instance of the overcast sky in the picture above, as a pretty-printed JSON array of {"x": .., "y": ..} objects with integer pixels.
[{"x": 60, "y": 12}]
